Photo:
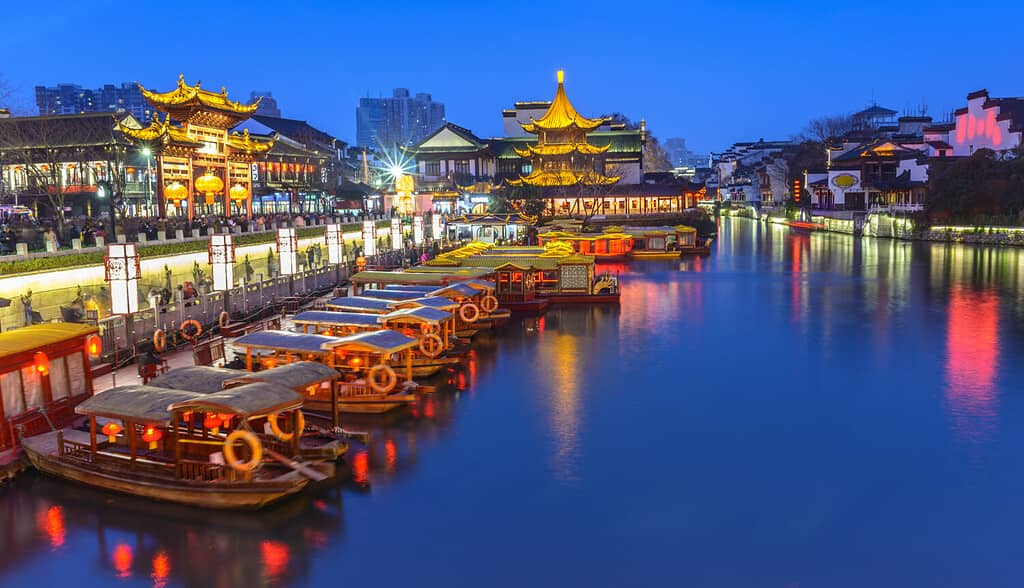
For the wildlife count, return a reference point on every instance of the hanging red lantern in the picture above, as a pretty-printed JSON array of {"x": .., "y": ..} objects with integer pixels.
[
  {"x": 211, "y": 423},
  {"x": 111, "y": 430},
  {"x": 151, "y": 435},
  {"x": 41, "y": 362},
  {"x": 94, "y": 346}
]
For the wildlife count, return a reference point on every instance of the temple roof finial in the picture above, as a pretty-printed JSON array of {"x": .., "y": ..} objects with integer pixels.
[{"x": 561, "y": 76}]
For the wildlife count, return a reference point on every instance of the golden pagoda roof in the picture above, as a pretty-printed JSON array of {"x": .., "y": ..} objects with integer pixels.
[
  {"x": 158, "y": 132},
  {"x": 561, "y": 114},
  {"x": 245, "y": 142},
  {"x": 185, "y": 95},
  {"x": 563, "y": 177},
  {"x": 561, "y": 149}
]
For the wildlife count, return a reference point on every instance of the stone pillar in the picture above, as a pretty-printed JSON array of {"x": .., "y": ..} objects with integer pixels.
[
  {"x": 21, "y": 248},
  {"x": 122, "y": 238},
  {"x": 51, "y": 246},
  {"x": 161, "y": 235},
  {"x": 76, "y": 244},
  {"x": 100, "y": 241},
  {"x": 141, "y": 237},
  {"x": 179, "y": 234}
]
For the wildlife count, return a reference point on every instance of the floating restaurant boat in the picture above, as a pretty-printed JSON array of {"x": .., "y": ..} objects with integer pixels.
[
  {"x": 185, "y": 447},
  {"x": 527, "y": 279},
  {"x": 367, "y": 363},
  {"x": 44, "y": 375},
  {"x": 633, "y": 242}
]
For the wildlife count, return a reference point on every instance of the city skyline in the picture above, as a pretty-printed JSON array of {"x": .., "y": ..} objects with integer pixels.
[{"x": 706, "y": 85}]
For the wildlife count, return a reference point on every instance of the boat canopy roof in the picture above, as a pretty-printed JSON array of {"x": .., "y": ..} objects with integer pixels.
[
  {"x": 462, "y": 272},
  {"x": 297, "y": 376},
  {"x": 35, "y": 336},
  {"x": 480, "y": 284},
  {"x": 247, "y": 401},
  {"x": 143, "y": 404},
  {"x": 383, "y": 341},
  {"x": 358, "y": 303},
  {"x": 390, "y": 294},
  {"x": 285, "y": 341},
  {"x": 405, "y": 278},
  {"x": 197, "y": 378},
  {"x": 408, "y": 288},
  {"x": 335, "y": 318},
  {"x": 459, "y": 289},
  {"x": 438, "y": 302},
  {"x": 419, "y": 314}
]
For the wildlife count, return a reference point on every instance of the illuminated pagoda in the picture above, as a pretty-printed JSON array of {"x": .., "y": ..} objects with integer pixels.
[
  {"x": 562, "y": 155},
  {"x": 202, "y": 167}
]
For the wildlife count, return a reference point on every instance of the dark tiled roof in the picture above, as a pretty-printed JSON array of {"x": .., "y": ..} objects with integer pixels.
[
  {"x": 298, "y": 130},
  {"x": 74, "y": 130}
]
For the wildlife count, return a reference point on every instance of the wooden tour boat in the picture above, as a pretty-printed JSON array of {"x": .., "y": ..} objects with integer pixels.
[{"x": 185, "y": 447}]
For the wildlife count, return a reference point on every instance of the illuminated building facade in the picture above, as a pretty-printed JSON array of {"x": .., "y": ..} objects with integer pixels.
[
  {"x": 201, "y": 166},
  {"x": 985, "y": 123}
]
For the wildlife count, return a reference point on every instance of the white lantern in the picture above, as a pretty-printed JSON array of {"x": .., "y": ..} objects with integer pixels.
[
  {"x": 122, "y": 271},
  {"x": 222, "y": 258},
  {"x": 417, "y": 229},
  {"x": 396, "y": 234},
  {"x": 335, "y": 238},
  {"x": 369, "y": 238},
  {"x": 435, "y": 225},
  {"x": 287, "y": 250}
]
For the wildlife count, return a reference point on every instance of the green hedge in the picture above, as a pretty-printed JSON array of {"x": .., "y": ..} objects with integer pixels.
[{"x": 55, "y": 262}]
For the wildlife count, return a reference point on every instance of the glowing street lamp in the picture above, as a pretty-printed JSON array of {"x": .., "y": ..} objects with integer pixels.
[
  {"x": 335, "y": 239},
  {"x": 287, "y": 250},
  {"x": 417, "y": 230},
  {"x": 396, "y": 234},
  {"x": 369, "y": 238}
]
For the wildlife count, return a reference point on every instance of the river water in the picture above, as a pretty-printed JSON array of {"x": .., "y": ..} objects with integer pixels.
[{"x": 795, "y": 410}]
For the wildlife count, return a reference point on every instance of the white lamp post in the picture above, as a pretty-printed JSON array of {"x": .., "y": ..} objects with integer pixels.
[
  {"x": 121, "y": 270},
  {"x": 396, "y": 234},
  {"x": 369, "y": 238},
  {"x": 287, "y": 251},
  {"x": 222, "y": 258},
  {"x": 417, "y": 230},
  {"x": 435, "y": 226},
  {"x": 335, "y": 238}
]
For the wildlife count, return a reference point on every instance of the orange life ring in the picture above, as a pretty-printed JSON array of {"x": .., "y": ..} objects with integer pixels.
[
  {"x": 469, "y": 312},
  {"x": 255, "y": 447},
  {"x": 224, "y": 319},
  {"x": 193, "y": 323},
  {"x": 381, "y": 378},
  {"x": 489, "y": 304},
  {"x": 431, "y": 345},
  {"x": 299, "y": 426},
  {"x": 159, "y": 340}
]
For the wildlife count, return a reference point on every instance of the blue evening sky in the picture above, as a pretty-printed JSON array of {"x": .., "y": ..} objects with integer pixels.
[{"x": 712, "y": 72}]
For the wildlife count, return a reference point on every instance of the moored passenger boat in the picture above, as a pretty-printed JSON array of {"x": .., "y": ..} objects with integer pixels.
[{"x": 185, "y": 447}]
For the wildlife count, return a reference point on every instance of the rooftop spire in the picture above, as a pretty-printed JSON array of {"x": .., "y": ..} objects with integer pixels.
[{"x": 561, "y": 77}]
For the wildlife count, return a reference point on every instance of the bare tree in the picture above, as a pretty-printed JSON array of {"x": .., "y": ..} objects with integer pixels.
[
  {"x": 827, "y": 129},
  {"x": 656, "y": 159}
]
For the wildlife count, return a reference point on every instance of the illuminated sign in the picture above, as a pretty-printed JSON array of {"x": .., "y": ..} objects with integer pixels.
[
  {"x": 972, "y": 128},
  {"x": 797, "y": 189},
  {"x": 845, "y": 181}
]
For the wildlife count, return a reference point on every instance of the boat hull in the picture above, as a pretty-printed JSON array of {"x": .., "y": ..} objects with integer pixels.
[
  {"x": 371, "y": 404},
  {"x": 654, "y": 254},
  {"x": 246, "y": 496}
]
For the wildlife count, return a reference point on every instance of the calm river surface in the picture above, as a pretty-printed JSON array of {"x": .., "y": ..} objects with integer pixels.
[{"x": 796, "y": 410}]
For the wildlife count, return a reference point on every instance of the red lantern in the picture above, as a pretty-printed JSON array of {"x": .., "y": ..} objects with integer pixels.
[
  {"x": 354, "y": 362},
  {"x": 111, "y": 430},
  {"x": 42, "y": 363},
  {"x": 94, "y": 346},
  {"x": 151, "y": 435},
  {"x": 211, "y": 423}
]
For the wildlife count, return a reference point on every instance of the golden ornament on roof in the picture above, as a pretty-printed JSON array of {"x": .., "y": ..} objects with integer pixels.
[
  {"x": 209, "y": 184},
  {"x": 561, "y": 114}
]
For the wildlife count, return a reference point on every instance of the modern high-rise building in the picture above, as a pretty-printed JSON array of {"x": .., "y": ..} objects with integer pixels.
[
  {"x": 268, "y": 105},
  {"x": 73, "y": 99},
  {"x": 402, "y": 119}
]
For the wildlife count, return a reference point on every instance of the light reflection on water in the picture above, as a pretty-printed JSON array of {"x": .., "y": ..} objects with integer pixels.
[{"x": 797, "y": 409}]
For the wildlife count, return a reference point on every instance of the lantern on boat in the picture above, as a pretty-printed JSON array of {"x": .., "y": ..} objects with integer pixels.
[
  {"x": 354, "y": 362},
  {"x": 225, "y": 419},
  {"x": 211, "y": 423},
  {"x": 151, "y": 435},
  {"x": 111, "y": 430},
  {"x": 94, "y": 346},
  {"x": 41, "y": 362}
]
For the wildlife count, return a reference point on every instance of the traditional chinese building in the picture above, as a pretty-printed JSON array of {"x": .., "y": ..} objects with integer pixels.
[
  {"x": 201, "y": 166},
  {"x": 562, "y": 155}
]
